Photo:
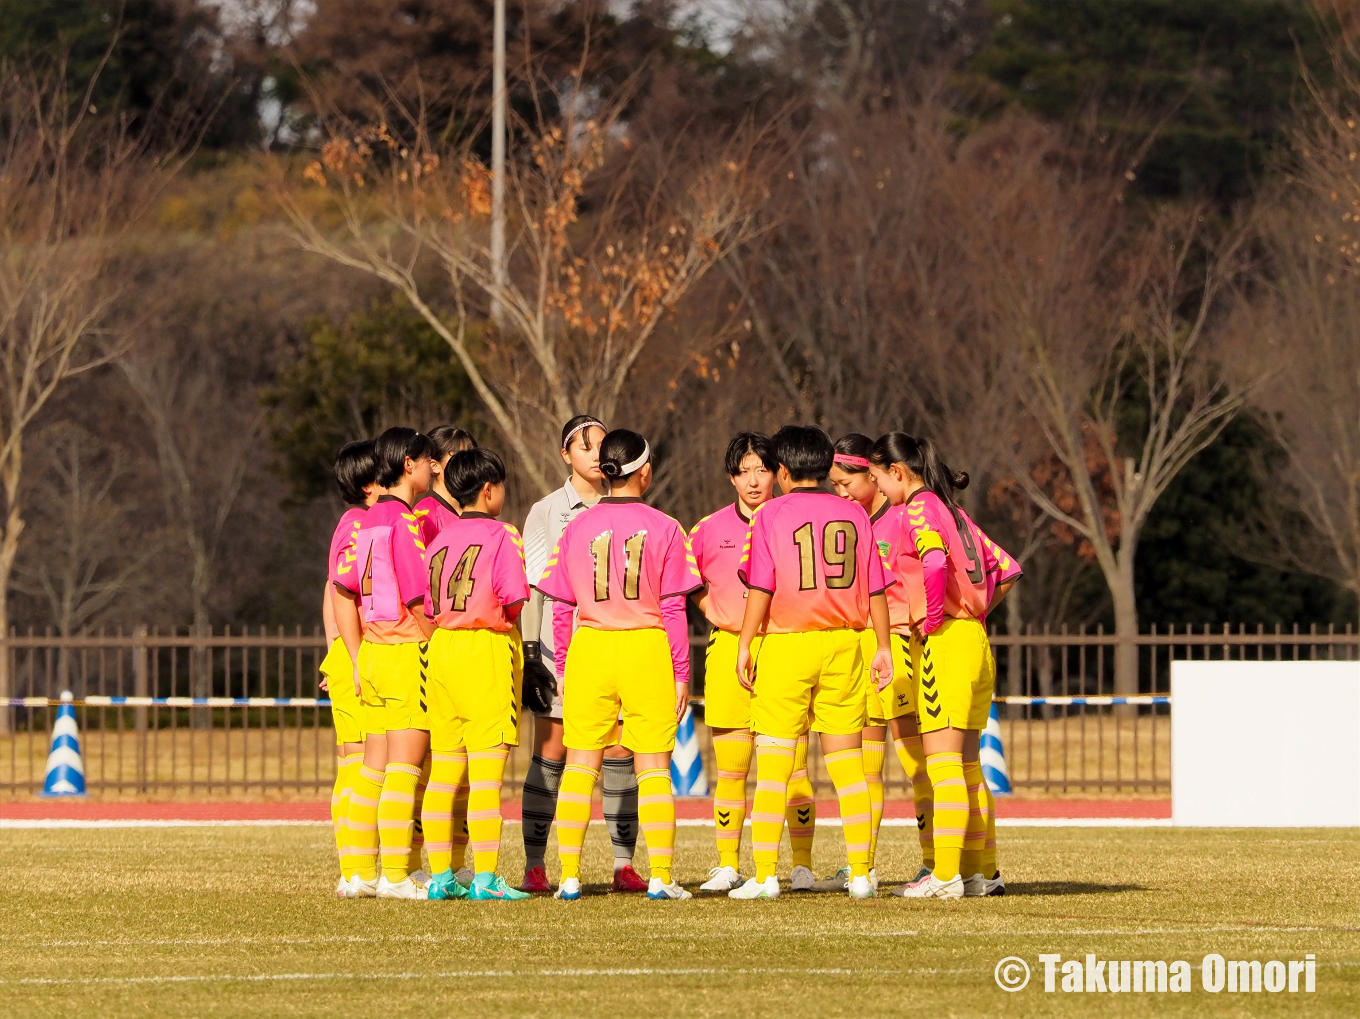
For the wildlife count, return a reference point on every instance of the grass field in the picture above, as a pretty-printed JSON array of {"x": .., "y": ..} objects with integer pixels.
[{"x": 241, "y": 921}]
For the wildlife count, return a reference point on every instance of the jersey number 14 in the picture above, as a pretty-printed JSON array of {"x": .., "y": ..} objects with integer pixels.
[{"x": 460, "y": 583}]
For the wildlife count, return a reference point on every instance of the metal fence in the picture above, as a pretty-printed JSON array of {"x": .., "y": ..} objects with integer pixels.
[{"x": 206, "y": 721}]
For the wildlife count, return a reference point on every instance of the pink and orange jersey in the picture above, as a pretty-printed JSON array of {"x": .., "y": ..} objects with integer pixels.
[
  {"x": 342, "y": 556},
  {"x": 814, "y": 553},
  {"x": 476, "y": 569},
  {"x": 717, "y": 543},
  {"x": 887, "y": 527},
  {"x": 390, "y": 577},
  {"x": 616, "y": 561},
  {"x": 975, "y": 565},
  {"x": 433, "y": 514}
]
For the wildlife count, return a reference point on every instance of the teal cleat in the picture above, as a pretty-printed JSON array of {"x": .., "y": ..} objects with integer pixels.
[
  {"x": 446, "y": 886},
  {"x": 486, "y": 887}
]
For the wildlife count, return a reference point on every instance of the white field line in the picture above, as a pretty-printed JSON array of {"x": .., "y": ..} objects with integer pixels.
[{"x": 684, "y": 822}]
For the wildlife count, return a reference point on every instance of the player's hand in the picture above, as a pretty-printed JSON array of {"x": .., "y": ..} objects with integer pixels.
[
  {"x": 324, "y": 685},
  {"x": 746, "y": 673},
  {"x": 681, "y": 699},
  {"x": 883, "y": 668},
  {"x": 358, "y": 687}
]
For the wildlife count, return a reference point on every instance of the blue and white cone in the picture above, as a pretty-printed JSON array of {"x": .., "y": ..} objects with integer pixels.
[
  {"x": 687, "y": 763},
  {"x": 65, "y": 769},
  {"x": 993, "y": 757}
]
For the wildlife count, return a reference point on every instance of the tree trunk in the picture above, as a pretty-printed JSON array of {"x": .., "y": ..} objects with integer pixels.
[
  {"x": 9, "y": 549},
  {"x": 1126, "y": 633},
  {"x": 1015, "y": 677},
  {"x": 200, "y": 659}
]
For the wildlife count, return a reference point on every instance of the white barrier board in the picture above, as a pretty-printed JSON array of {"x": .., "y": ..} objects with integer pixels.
[{"x": 1265, "y": 744}]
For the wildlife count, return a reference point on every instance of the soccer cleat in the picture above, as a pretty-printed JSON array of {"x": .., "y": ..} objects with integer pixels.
[
  {"x": 535, "y": 880},
  {"x": 873, "y": 877},
  {"x": 465, "y": 876},
  {"x": 802, "y": 879},
  {"x": 995, "y": 886},
  {"x": 931, "y": 887},
  {"x": 753, "y": 889},
  {"x": 569, "y": 890},
  {"x": 361, "y": 889},
  {"x": 974, "y": 887},
  {"x": 837, "y": 882},
  {"x": 342, "y": 889},
  {"x": 724, "y": 879},
  {"x": 919, "y": 874},
  {"x": 403, "y": 889},
  {"x": 861, "y": 888},
  {"x": 626, "y": 879},
  {"x": 445, "y": 886},
  {"x": 658, "y": 889},
  {"x": 420, "y": 877},
  {"x": 486, "y": 887}
]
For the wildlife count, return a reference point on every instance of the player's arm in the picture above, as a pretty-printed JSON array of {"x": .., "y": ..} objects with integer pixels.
[
  {"x": 697, "y": 548},
  {"x": 756, "y": 571},
  {"x": 349, "y": 627},
  {"x": 883, "y": 663},
  {"x": 999, "y": 595}
]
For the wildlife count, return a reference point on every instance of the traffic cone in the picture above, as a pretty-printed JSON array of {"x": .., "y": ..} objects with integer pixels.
[
  {"x": 65, "y": 769},
  {"x": 687, "y": 763},
  {"x": 993, "y": 757}
]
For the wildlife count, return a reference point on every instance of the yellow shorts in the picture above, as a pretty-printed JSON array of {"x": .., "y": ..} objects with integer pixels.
[
  {"x": 808, "y": 680},
  {"x": 900, "y": 698},
  {"x": 474, "y": 681},
  {"x": 613, "y": 671},
  {"x": 393, "y": 680},
  {"x": 727, "y": 704},
  {"x": 957, "y": 677},
  {"x": 347, "y": 711}
]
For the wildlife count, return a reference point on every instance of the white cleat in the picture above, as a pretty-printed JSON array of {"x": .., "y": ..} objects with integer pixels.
[
  {"x": 802, "y": 880},
  {"x": 753, "y": 889},
  {"x": 342, "y": 889},
  {"x": 361, "y": 889},
  {"x": 975, "y": 887},
  {"x": 721, "y": 879},
  {"x": 995, "y": 886},
  {"x": 420, "y": 877},
  {"x": 861, "y": 888},
  {"x": 403, "y": 889},
  {"x": 931, "y": 887},
  {"x": 569, "y": 890},
  {"x": 658, "y": 889},
  {"x": 464, "y": 876},
  {"x": 873, "y": 877}
]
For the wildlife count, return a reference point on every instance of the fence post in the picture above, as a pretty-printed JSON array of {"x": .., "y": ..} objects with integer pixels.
[{"x": 139, "y": 688}]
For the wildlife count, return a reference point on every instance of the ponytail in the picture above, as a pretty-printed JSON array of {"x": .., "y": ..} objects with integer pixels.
[
  {"x": 622, "y": 454},
  {"x": 922, "y": 458}
]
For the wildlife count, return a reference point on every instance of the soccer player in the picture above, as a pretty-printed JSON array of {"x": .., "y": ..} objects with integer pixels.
[
  {"x": 895, "y": 707},
  {"x": 477, "y": 588},
  {"x": 355, "y": 474},
  {"x": 626, "y": 570},
  {"x": 389, "y": 584},
  {"x": 585, "y": 485},
  {"x": 962, "y": 575},
  {"x": 813, "y": 578}
]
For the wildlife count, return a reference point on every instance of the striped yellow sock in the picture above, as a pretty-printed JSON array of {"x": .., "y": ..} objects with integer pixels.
[
  {"x": 460, "y": 823},
  {"x": 774, "y": 765},
  {"x": 486, "y": 770},
  {"x": 951, "y": 812},
  {"x": 656, "y": 816},
  {"x": 396, "y": 819},
  {"x": 800, "y": 810},
  {"x": 345, "y": 775},
  {"x": 975, "y": 833},
  {"x": 913, "y": 760},
  {"x": 447, "y": 772},
  {"x": 989, "y": 867},
  {"x": 873, "y": 753},
  {"x": 732, "y": 751},
  {"x": 413, "y": 861},
  {"x": 573, "y": 816},
  {"x": 846, "y": 768},
  {"x": 363, "y": 821}
]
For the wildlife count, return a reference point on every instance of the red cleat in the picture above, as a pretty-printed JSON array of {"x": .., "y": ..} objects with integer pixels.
[
  {"x": 535, "y": 880},
  {"x": 626, "y": 879}
]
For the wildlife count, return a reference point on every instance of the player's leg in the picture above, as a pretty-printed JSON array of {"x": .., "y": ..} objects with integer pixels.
[
  {"x": 414, "y": 864},
  {"x": 727, "y": 712},
  {"x": 448, "y": 763},
  {"x": 346, "y": 715},
  {"x": 907, "y": 743},
  {"x": 873, "y": 743},
  {"x": 800, "y": 814},
  {"x": 619, "y": 791},
  {"x": 362, "y": 821},
  {"x": 978, "y": 867},
  {"x": 408, "y": 741},
  {"x": 539, "y": 804},
  {"x": 839, "y": 713}
]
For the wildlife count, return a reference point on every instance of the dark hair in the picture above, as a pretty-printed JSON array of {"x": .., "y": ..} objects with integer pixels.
[
  {"x": 618, "y": 449},
  {"x": 450, "y": 439},
  {"x": 575, "y": 423},
  {"x": 745, "y": 443},
  {"x": 921, "y": 457},
  {"x": 355, "y": 469},
  {"x": 805, "y": 450},
  {"x": 391, "y": 449},
  {"x": 854, "y": 444},
  {"x": 470, "y": 469}
]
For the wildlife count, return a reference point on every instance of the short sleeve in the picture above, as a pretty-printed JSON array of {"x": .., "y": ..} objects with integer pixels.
[
  {"x": 996, "y": 560},
  {"x": 921, "y": 531},
  {"x": 696, "y": 546},
  {"x": 679, "y": 571},
  {"x": 345, "y": 568},
  {"x": 535, "y": 538},
  {"x": 508, "y": 578},
  {"x": 880, "y": 579},
  {"x": 756, "y": 569},
  {"x": 408, "y": 559},
  {"x": 554, "y": 580}
]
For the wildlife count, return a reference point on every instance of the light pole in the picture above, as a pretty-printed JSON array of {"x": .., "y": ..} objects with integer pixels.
[{"x": 498, "y": 163}]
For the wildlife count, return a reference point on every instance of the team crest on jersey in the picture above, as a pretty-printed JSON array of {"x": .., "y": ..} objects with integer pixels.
[{"x": 884, "y": 549}]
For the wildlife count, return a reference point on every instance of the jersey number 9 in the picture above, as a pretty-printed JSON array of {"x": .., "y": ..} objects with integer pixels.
[{"x": 839, "y": 541}]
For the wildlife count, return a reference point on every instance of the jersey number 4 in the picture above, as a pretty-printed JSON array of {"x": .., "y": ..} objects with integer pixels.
[
  {"x": 460, "y": 582},
  {"x": 632, "y": 564},
  {"x": 839, "y": 540}
]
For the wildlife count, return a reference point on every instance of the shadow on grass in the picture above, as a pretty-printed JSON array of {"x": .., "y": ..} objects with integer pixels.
[{"x": 1067, "y": 888}]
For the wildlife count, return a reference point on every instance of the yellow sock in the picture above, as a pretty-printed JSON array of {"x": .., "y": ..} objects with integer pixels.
[
  {"x": 732, "y": 750},
  {"x": 987, "y": 802},
  {"x": 447, "y": 772},
  {"x": 913, "y": 760},
  {"x": 573, "y": 816},
  {"x": 656, "y": 816},
  {"x": 362, "y": 824},
  {"x": 345, "y": 775},
  {"x": 460, "y": 823},
  {"x": 800, "y": 809},
  {"x": 951, "y": 812},
  {"x": 396, "y": 818},
  {"x": 846, "y": 768},
  {"x": 418, "y": 830},
  {"x": 486, "y": 770},
  {"x": 873, "y": 777},
  {"x": 975, "y": 833},
  {"x": 774, "y": 765}
]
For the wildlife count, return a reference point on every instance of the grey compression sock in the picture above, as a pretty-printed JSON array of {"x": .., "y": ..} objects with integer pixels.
[
  {"x": 621, "y": 807},
  {"x": 541, "y": 783}
]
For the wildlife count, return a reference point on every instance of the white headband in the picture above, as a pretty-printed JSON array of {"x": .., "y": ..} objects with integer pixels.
[
  {"x": 629, "y": 468},
  {"x": 592, "y": 423}
]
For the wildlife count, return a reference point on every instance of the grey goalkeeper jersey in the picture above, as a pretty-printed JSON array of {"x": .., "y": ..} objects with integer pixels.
[{"x": 547, "y": 519}]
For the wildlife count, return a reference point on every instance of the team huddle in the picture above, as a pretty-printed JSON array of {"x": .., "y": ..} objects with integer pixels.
[{"x": 852, "y": 613}]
